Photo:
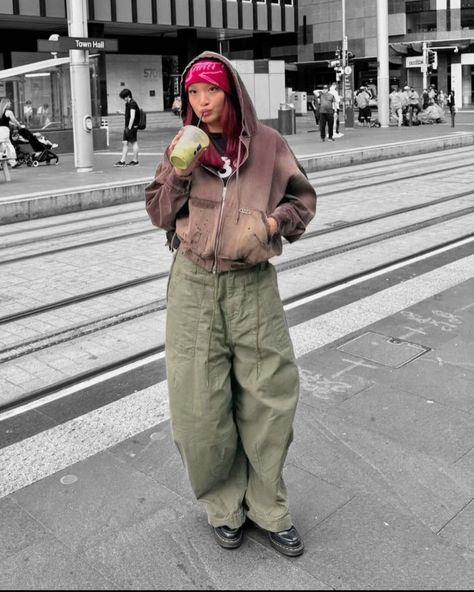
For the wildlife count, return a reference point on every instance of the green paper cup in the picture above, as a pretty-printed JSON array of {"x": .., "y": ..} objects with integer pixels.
[{"x": 192, "y": 141}]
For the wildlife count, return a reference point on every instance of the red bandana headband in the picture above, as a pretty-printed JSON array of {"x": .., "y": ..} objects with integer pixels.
[{"x": 210, "y": 73}]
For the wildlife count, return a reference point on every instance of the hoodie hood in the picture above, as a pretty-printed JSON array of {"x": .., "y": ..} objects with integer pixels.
[{"x": 249, "y": 116}]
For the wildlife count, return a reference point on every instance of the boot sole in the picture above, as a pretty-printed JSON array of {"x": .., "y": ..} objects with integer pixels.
[
  {"x": 225, "y": 543},
  {"x": 286, "y": 550}
]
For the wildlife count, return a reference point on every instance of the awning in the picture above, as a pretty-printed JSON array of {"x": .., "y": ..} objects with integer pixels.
[{"x": 35, "y": 67}]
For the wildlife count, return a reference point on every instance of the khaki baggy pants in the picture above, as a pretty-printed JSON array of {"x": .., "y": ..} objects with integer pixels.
[{"x": 233, "y": 386}]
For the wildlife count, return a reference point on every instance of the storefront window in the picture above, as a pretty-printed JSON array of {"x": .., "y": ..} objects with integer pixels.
[
  {"x": 48, "y": 94},
  {"x": 42, "y": 98}
]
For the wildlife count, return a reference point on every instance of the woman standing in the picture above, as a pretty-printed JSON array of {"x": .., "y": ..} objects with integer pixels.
[
  {"x": 7, "y": 117},
  {"x": 232, "y": 376},
  {"x": 451, "y": 104}
]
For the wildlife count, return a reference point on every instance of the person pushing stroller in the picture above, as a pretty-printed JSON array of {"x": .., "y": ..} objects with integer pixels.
[{"x": 33, "y": 148}]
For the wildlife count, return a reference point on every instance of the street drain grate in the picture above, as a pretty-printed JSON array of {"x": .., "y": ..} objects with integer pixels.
[{"x": 383, "y": 349}]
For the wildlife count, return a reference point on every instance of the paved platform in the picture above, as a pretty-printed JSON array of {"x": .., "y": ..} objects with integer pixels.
[
  {"x": 49, "y": 190},
  {"x": 380, "y": 474}
]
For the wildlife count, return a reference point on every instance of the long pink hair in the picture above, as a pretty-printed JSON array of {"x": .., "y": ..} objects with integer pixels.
[{"x": 231, "y": 131}]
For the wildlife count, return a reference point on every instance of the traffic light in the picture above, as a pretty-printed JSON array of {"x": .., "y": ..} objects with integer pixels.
[{"x": 433, "y": 59}]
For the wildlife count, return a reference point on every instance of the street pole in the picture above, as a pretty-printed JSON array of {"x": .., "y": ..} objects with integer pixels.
[
  {"x": 80, "y": 89},
  {"x": 424, "y": 67},
  {"x": 383, "y": 67},
  {"x": 347, "y": 76}
]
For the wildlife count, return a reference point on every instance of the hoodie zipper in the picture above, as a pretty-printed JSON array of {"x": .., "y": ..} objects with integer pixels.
[
  {"x": 219, "y": 223},
  {"x": 221, "y": 212}
]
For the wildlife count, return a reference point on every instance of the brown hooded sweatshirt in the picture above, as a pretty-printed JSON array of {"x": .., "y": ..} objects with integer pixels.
[{"x": 224, "y": 226}]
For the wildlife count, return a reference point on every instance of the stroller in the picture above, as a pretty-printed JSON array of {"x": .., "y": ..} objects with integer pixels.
[{"x": 33, "y": 148}]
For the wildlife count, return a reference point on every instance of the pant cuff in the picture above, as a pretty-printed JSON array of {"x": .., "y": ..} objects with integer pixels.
[
  {"x": 272, "y": 524},
  {"x": 232, "y": 520}
]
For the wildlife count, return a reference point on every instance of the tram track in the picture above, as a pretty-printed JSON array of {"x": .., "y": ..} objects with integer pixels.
[
  {"x": 372, "y": 239},
  {"x": 335, "y": 189},
  {"x": 296, "y": 263},
  {"x": 74, "y": 382},
  {"x": 310, "y": 234},
  {"x": 80, "y": 330}
]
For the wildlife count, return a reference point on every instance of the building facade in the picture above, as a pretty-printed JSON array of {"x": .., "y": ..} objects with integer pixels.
[
  {"x": 445, "y": 26},
  {"x": 155, "y": 39}
]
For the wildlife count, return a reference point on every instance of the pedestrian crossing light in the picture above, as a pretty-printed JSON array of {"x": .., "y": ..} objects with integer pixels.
[{"x": 433, "y": 59}]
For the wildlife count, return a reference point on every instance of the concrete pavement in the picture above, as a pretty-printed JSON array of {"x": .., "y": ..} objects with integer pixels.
[{"x": 380, "y": 474}]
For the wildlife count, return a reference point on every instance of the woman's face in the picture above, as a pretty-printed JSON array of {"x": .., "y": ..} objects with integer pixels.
[{"x": 207, "y": 101}]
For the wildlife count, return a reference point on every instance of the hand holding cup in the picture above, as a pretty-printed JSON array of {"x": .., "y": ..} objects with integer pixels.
[{"x": 186, "y": 149}]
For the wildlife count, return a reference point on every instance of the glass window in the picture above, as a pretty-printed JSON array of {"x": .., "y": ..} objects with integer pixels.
[
  {"x": 29, "y": 8},
  {"x": 42, "y": 99},
  {"x": 467, "y": 14},
  {"x": 420, "y": 16},
  {"x": 55, "y": 8},
  {"x": 6, "y": 6}
]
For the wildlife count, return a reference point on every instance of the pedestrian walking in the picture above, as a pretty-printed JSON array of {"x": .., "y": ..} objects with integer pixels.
[
  {"x": 337, "y": 107},
  {"x": 232, "y": 374},
  {"x": 432, "y": 93},
  {"x": 129, "y": 138},
  {"x": 8, "y": 119},
  {"x": 326, "y": 113},
  {"x": 451, "y": 104},
  {"x": 315, "y": 105},
  {"x": 442, "y": 99},
  {"x": 362, "y": 100},
  {"x": 405, "y": 104},
  {"x": 413, "y": 106},
  {"x": 396, "y": 108}
]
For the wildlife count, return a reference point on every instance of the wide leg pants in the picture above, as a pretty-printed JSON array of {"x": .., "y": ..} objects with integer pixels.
[{"x": 233, "y": 388}]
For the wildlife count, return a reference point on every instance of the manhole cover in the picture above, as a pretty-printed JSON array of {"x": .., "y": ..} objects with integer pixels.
[{"x": 383, "y": 349}]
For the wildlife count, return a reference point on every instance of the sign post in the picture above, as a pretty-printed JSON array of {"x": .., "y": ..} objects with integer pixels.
[
  {"x": 347, "y": 88},
  {"x": 80, "y": 89},
  {"x": 382, "y": 64},
  {"x": 424, "y": 68},
  {"x": 347, "y": 77}
]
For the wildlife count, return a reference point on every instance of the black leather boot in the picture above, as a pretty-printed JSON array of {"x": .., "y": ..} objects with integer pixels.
[
  {"x": 229, "y": 538},
  {"x": 287, "y": 542}
]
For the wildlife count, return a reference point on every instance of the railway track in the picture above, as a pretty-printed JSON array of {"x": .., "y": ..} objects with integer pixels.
[
  {"x": 374, "y": 232},
  {"x": 343, "y": 183},
  {"x": 80, "y": 380}
]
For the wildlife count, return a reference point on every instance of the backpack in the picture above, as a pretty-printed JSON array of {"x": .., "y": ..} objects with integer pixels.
[{"x": 141, "y": 119}]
